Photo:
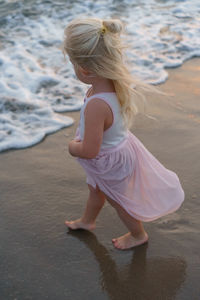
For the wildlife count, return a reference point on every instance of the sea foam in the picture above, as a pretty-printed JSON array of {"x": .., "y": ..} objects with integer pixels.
[{"x": 37, "y": 84}]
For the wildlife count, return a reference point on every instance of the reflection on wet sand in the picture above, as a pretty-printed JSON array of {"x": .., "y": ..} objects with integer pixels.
[{"x": 143, "y": 278}]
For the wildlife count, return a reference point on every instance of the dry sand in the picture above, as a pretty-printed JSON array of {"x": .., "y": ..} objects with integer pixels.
[{"x": 42, "y": 186}]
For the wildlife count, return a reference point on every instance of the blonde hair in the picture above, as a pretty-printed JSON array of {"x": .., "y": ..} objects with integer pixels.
[{"x": 96, "y": 45}]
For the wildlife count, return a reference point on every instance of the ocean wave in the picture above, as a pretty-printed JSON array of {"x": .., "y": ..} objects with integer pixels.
[{"x": 37, "y": 83}]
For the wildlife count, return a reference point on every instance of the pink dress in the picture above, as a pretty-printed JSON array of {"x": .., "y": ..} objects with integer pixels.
[{"x": 128, "y": 173}]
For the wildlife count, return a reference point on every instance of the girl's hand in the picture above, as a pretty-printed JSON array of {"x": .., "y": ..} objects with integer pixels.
[{"x": 73, "y": 147}]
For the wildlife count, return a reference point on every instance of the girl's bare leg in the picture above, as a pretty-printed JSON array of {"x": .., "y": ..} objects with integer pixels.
[
  {"x": 136, "y": 235},
  {"x": 95, "y": 203}
]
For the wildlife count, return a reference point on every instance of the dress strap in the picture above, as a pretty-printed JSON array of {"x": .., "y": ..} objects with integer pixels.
[{"x": 105, "y": 97}]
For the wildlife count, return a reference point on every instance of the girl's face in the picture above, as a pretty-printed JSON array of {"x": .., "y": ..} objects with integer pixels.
[
  {"x": 78, "y": 72},
  {"x": 82, "y": 74}
]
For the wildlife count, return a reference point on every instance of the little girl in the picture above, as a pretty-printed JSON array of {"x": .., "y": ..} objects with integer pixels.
[{"x": 118, "y": 166}]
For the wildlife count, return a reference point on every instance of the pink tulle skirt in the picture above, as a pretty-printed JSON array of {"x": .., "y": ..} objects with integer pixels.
[{"x": 130, "y": 175}]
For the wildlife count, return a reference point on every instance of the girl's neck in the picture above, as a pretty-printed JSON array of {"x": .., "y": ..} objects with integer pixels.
[{"x": 102, "y": 86}]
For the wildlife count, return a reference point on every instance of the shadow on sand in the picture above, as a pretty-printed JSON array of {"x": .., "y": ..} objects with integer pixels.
[{"x": 143, "y": 278}]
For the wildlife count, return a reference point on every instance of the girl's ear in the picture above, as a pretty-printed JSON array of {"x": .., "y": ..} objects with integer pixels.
[{"x": 84, "y": 71}]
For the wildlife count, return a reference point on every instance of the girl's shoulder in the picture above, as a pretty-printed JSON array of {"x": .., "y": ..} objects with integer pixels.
[
  {"x": 99, "y": 104},
  {"x": 96, "y": 104},
  {"x": 101, "y": 99},
  {"x": 106, "y": 101}
]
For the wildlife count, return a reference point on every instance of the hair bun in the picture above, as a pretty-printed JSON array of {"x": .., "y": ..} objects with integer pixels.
[{"x": 113, "y": 25}]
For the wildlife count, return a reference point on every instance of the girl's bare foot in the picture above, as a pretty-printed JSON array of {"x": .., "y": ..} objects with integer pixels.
[
  {"x": 78, "y": 224},
  {"x": 127, "y": 241}
]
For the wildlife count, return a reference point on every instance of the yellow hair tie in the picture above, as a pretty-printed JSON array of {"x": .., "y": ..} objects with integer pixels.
[{"x": 103, "y": 29}]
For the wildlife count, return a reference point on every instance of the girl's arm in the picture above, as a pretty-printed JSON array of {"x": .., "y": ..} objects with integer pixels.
[{"x": 95, "y": 115}]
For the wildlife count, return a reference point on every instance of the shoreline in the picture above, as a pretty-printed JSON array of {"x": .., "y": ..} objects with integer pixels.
[
  {"x": 43, "y": 185},
  {"x": 74, "y": 115}
]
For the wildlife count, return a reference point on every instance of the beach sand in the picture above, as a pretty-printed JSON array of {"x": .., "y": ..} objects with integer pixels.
[{"x": 43, "y": 185}]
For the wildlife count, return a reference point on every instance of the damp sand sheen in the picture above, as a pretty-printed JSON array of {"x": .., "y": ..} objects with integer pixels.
[{"x": 37, "y": 85}]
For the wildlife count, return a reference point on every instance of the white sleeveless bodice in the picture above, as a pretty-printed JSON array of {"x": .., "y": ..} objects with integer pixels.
[{"x": 117, "y": 131}]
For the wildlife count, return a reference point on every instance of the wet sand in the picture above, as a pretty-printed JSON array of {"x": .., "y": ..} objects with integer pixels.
[{"x": 42, "y": 186}]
